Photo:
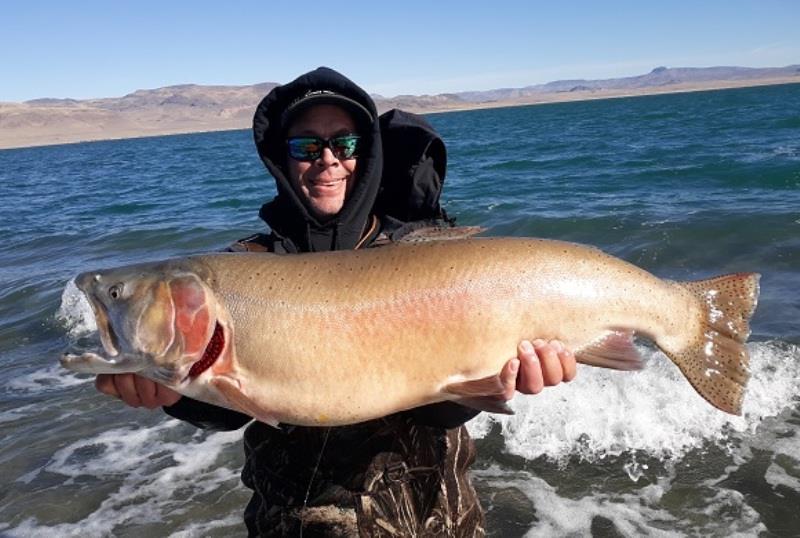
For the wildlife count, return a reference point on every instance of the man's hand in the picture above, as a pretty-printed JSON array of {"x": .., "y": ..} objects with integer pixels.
[
  {"x": 539, "y": 364},
  {"x": 136, "y": 391}
]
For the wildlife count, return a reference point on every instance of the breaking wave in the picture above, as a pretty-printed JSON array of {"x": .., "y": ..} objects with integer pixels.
[{"x": 655, "y": 411}]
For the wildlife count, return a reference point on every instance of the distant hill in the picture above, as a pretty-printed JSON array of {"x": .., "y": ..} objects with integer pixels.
[
  {"x": 660, "y": 77},
  {"x": 193, "y": 108}
]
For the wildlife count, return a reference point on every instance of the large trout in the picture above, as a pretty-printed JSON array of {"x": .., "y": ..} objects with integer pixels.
[{"x": 343, "y": 337}]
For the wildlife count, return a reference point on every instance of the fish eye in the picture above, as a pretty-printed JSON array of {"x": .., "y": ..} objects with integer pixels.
[{"x": 115, "y": 291}]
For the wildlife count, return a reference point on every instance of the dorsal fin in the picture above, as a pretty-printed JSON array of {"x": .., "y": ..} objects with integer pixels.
[{"x": 440, "y": 233}]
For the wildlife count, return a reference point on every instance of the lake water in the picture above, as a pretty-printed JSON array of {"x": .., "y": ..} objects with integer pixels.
[{"x": 685, "y": 185}]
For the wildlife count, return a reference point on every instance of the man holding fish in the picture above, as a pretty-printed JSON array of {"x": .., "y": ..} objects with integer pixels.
[
  {"x": 340, "y": 335},
  {"x": 349, "y": 180}
]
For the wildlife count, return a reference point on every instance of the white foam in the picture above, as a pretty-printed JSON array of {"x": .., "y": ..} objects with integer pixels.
[
  {"x": 634, "y": 513},
  {"x": 17, "y": 413},
  {"x": 655, "y": 411},
  {"x": 200, "y": 530},
  {"x": 562, "y": 516},
  {"x": 54, "y": 377},
  {"x": 778, "y": 475},
  {"x": 150, "y": 470},
  {"x": 788, "y": 446},
  {"x": 718, "y": 510},
  {"x": 118, "y": 451},
  {"x": 779, "y": 438},
  {"x": 75, "y": 312}
]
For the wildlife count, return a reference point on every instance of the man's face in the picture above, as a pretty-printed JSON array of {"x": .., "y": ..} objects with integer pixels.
[{"x": 325, "y": 182}]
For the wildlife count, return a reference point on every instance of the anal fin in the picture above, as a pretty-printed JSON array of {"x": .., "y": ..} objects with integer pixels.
[
  {"x": 613, "y": 350},
  {"x": 485, "y": 394}
]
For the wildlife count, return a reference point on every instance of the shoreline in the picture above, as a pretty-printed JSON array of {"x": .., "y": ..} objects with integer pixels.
[
  {"x": 107, "y": 127},
  {"x": 579, "y": 96}
]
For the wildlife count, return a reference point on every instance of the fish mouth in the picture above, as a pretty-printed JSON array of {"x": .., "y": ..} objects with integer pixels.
[
  {"x": 211, "y": 354},
  {"x": 108, "y": 338}
]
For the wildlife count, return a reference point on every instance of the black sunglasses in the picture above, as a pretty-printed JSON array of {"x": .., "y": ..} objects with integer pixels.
[{"x": 309, "y": 148}]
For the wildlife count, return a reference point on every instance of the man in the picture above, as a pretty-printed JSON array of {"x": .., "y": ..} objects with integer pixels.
[{"x": 402, "y": 475}]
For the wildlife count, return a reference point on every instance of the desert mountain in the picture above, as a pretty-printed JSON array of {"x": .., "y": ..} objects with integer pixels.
[{"x": 194, "y": 108}]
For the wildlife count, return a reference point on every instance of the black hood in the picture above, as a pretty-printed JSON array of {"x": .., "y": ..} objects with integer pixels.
[{"x": 287, "y": 214}]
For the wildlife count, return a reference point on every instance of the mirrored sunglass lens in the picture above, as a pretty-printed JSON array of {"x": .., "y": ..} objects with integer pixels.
[
  {"x": 310, "y": 148},
  {"x": 304, "y": 148},
  {"x": 345, "y": 146}
]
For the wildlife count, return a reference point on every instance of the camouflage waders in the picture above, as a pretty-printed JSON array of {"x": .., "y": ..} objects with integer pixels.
[{"x": 384, "y": 478}]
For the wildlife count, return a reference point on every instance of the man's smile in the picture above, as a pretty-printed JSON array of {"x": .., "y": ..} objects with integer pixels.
[{"x": 327, "y": 182}]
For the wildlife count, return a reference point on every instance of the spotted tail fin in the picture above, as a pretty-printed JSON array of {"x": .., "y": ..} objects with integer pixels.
[{"x": 716, "y": 361}]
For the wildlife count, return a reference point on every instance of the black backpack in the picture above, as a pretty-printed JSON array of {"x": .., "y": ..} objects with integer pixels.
[{"x": 414, "y": 166}]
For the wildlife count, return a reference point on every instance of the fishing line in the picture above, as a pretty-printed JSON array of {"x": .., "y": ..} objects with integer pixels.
[{"x": 311, "y": 480}]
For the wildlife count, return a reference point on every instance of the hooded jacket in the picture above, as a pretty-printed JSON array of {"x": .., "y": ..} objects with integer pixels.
[{"x": 292, "y": 224}]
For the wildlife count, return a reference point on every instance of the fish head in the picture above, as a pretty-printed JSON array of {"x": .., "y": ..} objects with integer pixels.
[{"x": 157, "y": 319}]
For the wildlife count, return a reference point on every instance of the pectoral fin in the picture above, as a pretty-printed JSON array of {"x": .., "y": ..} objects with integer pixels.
[
  {"x": 484, "y": 394},
  {"x": 239, "y": 400}
]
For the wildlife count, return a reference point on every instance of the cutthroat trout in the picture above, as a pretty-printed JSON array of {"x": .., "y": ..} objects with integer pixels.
[{"x": 342, "y": 337}]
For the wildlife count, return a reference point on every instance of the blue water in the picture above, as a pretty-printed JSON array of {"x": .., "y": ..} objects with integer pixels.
[{"x": 684, "y": 185}]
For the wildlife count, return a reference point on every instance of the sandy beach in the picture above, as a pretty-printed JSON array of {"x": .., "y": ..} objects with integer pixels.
[{"x": 191, "y": 109}]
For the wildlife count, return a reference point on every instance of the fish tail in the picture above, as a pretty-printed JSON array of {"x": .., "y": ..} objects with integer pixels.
[{"x": 715, "y": 360}]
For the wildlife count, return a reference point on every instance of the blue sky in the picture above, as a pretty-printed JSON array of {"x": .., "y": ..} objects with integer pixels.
[{"x": 103, "y": 49}]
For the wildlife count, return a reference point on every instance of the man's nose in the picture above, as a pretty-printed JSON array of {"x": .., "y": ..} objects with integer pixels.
[{"x": 327, "y": 157}]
